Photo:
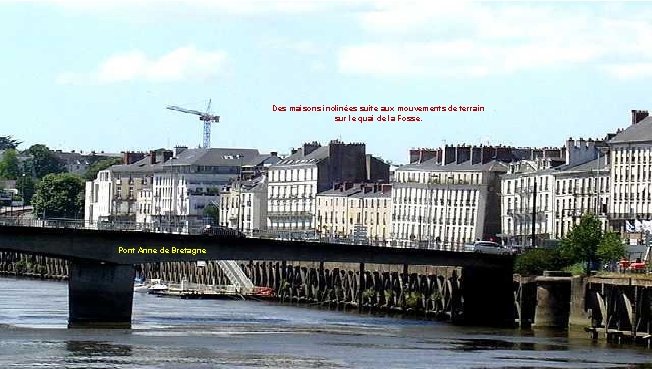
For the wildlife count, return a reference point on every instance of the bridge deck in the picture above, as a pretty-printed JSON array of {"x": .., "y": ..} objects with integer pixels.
[{"x": 124, "y": 247}]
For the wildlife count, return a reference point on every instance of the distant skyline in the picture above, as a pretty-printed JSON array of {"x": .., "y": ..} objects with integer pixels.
[{"x": 91, "y": 75}]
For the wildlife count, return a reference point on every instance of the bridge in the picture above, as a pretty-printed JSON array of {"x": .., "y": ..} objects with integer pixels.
[{"x": 101, "y": 269}]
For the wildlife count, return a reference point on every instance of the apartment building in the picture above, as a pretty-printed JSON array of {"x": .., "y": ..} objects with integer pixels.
[
  {"x": 358, "y": 213},
  {"x": 113, "y": 194},
  {"x": 243, "y": 205},
  {"x": 579, "y": 190},
  {"x": 295, "y": 181},
  {"x": 631, "y": 171},
  {"x": 183, "y": 186},
  {"x": 552, "y": 195},
  {"x": 449, "y": 201}
]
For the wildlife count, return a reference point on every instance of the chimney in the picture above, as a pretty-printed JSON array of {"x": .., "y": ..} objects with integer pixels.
[
  {"x": 487, "y": 154},
  {"x": 638, "y": 115},
  {"x": 462, "y": 154},
  {"x": 310, "y": 147},
  {"x": 179, "y": 149},
  {"x": 504, "y": 153},
  {"x": 348, "y": 186},
  {"x": 152, "y": 157},
  {"x": 130, "y": 157},
  {"x": 421, "y": 154},
  {"x": 167, "y": 154},
  {"x": 273, "y": 153},
  {"x": 449, "y": 154},
  {"x": 476, "y": 155}
]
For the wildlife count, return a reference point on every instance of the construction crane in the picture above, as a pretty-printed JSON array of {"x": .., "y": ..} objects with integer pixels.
[{"x": 206, "y": 117}]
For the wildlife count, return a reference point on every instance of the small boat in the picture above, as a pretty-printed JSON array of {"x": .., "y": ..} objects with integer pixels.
[
  {"x": 140, "y": 285},
  {"x": 156, "y": 286}
]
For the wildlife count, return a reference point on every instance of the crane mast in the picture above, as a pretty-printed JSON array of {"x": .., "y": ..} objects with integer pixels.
[{"x": 206, "y": 117}]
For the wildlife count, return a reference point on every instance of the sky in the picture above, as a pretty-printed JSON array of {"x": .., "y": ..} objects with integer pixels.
[{"x": 98, "y": 75}]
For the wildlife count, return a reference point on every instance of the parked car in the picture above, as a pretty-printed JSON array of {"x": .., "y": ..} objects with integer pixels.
[
  {"x": 489, "y": 247},
  {"x": 222, "y": 231}
]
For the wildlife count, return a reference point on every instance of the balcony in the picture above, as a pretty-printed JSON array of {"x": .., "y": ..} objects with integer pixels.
[{"x": 289, "y": 214}]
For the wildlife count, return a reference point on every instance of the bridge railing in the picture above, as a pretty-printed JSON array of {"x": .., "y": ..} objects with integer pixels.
[{"x": 195, "y": 228}]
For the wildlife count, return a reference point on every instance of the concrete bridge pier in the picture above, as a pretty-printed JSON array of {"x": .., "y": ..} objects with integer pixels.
[{"x": 100, "y": 295}]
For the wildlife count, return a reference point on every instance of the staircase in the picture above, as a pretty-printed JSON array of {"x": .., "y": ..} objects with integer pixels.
[{"x": 237, "y": 277}]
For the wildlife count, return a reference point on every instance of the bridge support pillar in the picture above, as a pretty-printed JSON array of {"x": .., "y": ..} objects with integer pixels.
[
  {"x": 361, "y": 287},
  {"x": 100, "y": 295},
  {"x": 488, "y": 296},
  {"x": 553, "y": 300}
]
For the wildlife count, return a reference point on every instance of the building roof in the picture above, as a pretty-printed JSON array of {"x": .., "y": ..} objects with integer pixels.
[
  {"x": 262, "y": 159},
  {"x": 212, "y": 157},
  {"x": 141, "y": 166},
  {"x": 433, "y": 166},
  {"x": 298, "y": 158},
  {"x": 341, "y": 193},
  {"x": 589, "y": 166},
  {"x": 357, "y": 191},
  {"x": 595, "y": 164},
  {"x": 638, "y": 132},
  {"x": 255, "y": 183},
  {"x": 203, "y": 157},
  {"x": 372, "y": 194}
]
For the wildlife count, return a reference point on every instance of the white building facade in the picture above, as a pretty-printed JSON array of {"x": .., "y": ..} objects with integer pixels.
[
  {"x": 295, "y": 181},
  {"x": 563, "y": 194},
  {"x": 243, "y": 206},
  {"x": 631, "y": 171},
  {"x": 445, "y": 206}
]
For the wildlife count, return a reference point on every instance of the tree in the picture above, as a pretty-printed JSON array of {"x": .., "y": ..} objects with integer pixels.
[
  {"x": 59, "y": 196},
  {"x": 6, "y": 142},
  {"x": 91, "y": 172},
  {"x": 581, "y": 243},
  {"x": 212, "y": 211},
  {"x": 536, "y": 261},
  {"x": 43, "y": 161},
  {"x": 9, "y": 168},
  {"x": 611, "y": 248}
]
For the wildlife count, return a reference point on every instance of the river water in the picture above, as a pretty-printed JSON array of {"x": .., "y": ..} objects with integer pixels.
[{"x": 171, "y": 333}]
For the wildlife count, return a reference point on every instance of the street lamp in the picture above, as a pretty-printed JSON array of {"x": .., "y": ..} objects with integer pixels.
[{"x": 22, "y": 191}]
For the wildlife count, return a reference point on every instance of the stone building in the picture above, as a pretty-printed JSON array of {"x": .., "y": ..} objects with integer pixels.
[
  {"x": 295, "y": 181},
  {"x": 356, "y": 213},
  {"x": 445, "y": 205}
]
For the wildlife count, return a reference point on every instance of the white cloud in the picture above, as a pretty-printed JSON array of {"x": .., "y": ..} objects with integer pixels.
[
  {"x": 303, "y": 47},
  {"x": 184, "y": 63},
  {"x": 629, "y": 71},
  {"x": 479, "y": 38},
  {"x": 198, "y": 7}
]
